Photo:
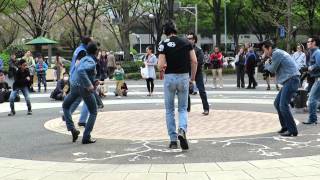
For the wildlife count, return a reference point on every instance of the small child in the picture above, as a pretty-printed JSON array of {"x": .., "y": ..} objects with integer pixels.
[
  {"x": 41, "y": 69},
  {"x": 119, "y": 77}
]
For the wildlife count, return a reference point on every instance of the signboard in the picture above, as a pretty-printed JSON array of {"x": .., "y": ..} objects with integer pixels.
[{"x": 282, "y": 32}]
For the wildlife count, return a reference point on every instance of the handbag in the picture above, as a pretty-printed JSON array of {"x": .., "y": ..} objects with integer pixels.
[{"x": 144, "y": 72}]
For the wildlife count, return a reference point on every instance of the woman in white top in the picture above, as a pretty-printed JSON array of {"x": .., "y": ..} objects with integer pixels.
[
  {"x": 299, "y": 57},
  {"x": 150, "y": 62}
]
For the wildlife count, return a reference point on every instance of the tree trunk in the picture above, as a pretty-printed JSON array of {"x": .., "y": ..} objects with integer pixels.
[
  {"x": 124, "y": 33},
  {"x": 170, "y": 8},
  {"x": 289, "y": 16},
  {"x": 217, "y": 16}
]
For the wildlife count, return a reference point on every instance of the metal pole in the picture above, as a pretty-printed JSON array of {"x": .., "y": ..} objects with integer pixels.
[
  {"x": 225, "y": 27},
  {"x": 140, "y": 44},
  {"x": 196, "y": 14}
]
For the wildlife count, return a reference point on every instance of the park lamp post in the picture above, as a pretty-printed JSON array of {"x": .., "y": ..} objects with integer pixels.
[
  {"x": 151, "y": 18},
  {"x": 195, "y": 13},
  {"x": 138, "y": 38}
]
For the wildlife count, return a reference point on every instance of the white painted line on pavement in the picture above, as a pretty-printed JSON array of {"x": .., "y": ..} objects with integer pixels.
[
  {"x": 249, "y": 92},
  {"x": 19, "y": 106}
]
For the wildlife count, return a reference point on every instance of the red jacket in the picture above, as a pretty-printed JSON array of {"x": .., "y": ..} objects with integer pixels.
[{"x": 218, "y": 56}]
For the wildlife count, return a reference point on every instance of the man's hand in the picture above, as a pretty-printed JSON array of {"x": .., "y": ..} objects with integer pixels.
[
  {"x": 309, "y": 68},
  {"x": 90, "y": 88},
  {"x": 28, "y": 78}
]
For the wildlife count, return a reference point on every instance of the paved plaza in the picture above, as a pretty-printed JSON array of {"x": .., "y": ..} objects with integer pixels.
[{"x": 237, "y": 141}]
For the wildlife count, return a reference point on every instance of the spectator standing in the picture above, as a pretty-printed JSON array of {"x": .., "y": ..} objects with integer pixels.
[
  {"x": 299, "y": 57},
  {"x": 13, "y": 66},
  {"x": 150, "y": 61},
  {"x": 111, "y": 64},
  {"x": 31, "y": 67},
  {"x": 250, "y": 64},
  {"x": 216, "y": 59},
  {"x": 58, "y": 66},
  {"x": 41, "y": 69},
  {"x": 240, "y": 67}
]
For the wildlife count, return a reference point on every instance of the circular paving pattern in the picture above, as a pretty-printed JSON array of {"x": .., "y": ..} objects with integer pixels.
[{"x": 150, "y": 124}]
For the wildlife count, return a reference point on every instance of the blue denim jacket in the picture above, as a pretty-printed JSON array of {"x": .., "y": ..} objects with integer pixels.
[
  {"x": 82, "y": 47},
  {"x": 315, "y": 62},
  {"x": 85, "y": 72},
  {"x": 282, "y": 65}
]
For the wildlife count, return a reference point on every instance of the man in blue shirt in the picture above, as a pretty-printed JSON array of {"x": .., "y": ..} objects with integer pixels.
[
  {"x": 314, "y": 71},
  {"x": 82, "y": 85},
  {"x": 287, "y": 74},
  {"x": 80, "y": 52}
]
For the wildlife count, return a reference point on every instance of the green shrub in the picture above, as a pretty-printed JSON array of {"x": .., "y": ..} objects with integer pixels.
[
  {"x": 19, "y": 50},
  {"x": 132, "y": 67},
  {"x": 67, "y": 67},
  {"x": 133, "y": 76},
  {"x": 5, "y": 57}
]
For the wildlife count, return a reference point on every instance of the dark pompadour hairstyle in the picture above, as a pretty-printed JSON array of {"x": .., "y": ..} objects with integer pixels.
[
  {"x": 267, "y": 44},
  {"x": 169, "y": 28},
  {"x": 86, "y": 40},
  {"x": 21, "y": 62},
  {"x": 92, "y": 48},
  {"x": 316, "y": 39},
  {"x": 195, "y": 37}
]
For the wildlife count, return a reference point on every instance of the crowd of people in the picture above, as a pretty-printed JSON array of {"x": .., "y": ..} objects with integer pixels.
[{"x": 182, "y": 63}]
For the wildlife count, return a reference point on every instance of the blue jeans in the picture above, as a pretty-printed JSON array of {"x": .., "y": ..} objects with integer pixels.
[
  {"x": 13, "y": 95},
  {"x": 89, "y": 100},
  {"x": 313, "y": 101},
  {"x": 282, "y": 101},
  {"x": 84, "y": 114},
  {"x": 176, "y": 84},
  {"x": 202, "y": 90},
  {"x": 42, "y": 79}
]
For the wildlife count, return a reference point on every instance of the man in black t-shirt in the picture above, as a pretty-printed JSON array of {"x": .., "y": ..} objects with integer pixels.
[
  {"x": 176, "y": 55},
  {"x": 199, "y": 76}
]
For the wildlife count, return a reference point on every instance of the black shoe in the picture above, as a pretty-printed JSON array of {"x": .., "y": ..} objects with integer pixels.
[
  {"x": 82, "y": 124},
  {"x": 75, "y": 133},
  {"x": 89, "y": 141},
  {"x": 12, "y": 113},
  {"x": 282, "y": 130},
  {"x": 173, "y": 145},
  {"x": 288, "y": 134},
  {"x": 268, "y": 88},
  {"x": 205, "y": 112},
  {"x": 29, "y": 112},
  {"x": 63, "y": 119},
  {"x": 194, "y": 93},
  {"x": 249, "y": 87},
  {"x": 183, "y": 139},
  {"x": 310, "y": 123}
]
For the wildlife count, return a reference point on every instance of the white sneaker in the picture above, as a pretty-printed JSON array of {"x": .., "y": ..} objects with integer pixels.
[
  {"x": 119, "y": 97},
  {"x": 214, "y": 87},
  {"x": 220, "y": 87}
]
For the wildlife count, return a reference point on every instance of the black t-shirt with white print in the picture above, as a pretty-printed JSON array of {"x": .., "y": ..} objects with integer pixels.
[{"x": 177, "y": 53}]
